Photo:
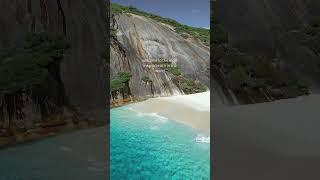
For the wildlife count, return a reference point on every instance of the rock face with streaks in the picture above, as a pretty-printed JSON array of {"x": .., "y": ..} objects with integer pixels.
[
  {"x": 222, "y": 95},
  {"x": 285, "y": 33},
  {"x": 269, "y": 27},
  {"x": 82, "y": 70},
  {"x": 140, "y": 40}
]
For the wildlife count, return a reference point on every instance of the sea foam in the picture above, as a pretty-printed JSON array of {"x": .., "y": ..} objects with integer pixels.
[
  {"x": 155, "y": 116},
  {"x": 202, "y": 139}
]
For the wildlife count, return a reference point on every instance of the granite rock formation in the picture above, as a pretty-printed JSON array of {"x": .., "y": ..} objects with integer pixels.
[
  {"x": 270, "y": 28},
  {"x": 140, "y": 39},
  {"x": 81, "y": 73}
]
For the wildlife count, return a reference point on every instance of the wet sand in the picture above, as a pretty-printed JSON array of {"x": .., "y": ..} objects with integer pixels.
[
  {"x": 192, "y": 110},
  {"x": 278, "y": 140}
]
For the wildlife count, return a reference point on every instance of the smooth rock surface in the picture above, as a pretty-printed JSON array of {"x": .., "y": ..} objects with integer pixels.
[
  {"x": 84, "y": 23},
  {"x": 140, "y": 39},
  {"x": 266, "y": 27}
]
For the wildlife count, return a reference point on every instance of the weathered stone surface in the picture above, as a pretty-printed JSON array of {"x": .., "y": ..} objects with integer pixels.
[
  {"x": 84, "y": 23},
  {"x": 140, "y": 38},
  {"x": 265, "y": 27}
]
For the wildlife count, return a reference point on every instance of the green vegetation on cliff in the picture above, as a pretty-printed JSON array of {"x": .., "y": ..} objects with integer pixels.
[
  {"x": 220, "y": 36},
  {"x": 312, "y": 37},
  {"x": 20, "y": 68},
  {"x": 254, "y": 79},
  {"x": 120, "y": 80},
  {"x": 113, "y": 32},
  {"x": 198, "y": 33},
  {"x": 175, "y": 70},
  {"x": 146, "y": 79},
  {"x": 257, "y": 79},
  {"x": 31, "y": 73},
  {"x": 187, "y": 85},
  {"x": 119, "y": 85}
]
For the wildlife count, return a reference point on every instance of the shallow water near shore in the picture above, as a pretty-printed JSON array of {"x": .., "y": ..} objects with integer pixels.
[
  {"x": 150, "y": 146},
  {"x": 79, "y": 155}
]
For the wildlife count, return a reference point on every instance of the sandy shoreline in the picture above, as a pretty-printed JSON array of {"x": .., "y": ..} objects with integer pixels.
[
  {"x": 192, "y": 110},
  {"x": 45, "y": 130}
]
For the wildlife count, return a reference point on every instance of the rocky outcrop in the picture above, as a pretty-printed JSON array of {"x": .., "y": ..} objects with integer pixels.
[
  {"x": 282, "y": 37},
  {"x": 140, "y": 41},
  {"x": 81, "y": 74},
  {"x": 222, "y": 95},
  {"x": 268, "y": 27}
]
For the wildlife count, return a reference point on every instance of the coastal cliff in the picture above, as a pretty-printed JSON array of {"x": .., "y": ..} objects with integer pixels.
[
  {"x": 52, "y": 50},
  {"x": 179, "y": 62},
  {"x": 275, "y": 29},
  {"x": 265, "y": 50}
]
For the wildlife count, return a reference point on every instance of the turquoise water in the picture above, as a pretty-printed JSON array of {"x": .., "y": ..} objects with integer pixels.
[
  {"x": 74, "y": 156},
  {"x": 148, "y": 146}
]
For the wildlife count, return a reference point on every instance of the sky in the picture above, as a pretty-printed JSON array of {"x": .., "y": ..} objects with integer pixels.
[{"x": 194, "y": 13}]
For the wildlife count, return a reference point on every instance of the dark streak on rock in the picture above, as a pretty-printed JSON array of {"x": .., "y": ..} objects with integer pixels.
[
  {"x": 63, "y": 17},
  {"x": 29, "y": 6},
  {"x": 44, "y": 13}
]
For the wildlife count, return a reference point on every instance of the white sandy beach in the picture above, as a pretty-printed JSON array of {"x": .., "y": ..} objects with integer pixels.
[{"x": 193, "y": 110}]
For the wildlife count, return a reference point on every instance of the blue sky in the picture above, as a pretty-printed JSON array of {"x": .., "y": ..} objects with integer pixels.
[{"x": 194, "y": 13}]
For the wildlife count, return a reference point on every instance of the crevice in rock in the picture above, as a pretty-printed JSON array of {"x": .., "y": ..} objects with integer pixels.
[
  {"x": 44, "y": 13},
  {"x": 140, "y": 49},
  {"x": 20, "y": 13},
  {"x": 33, "y": 24},
  {"x": 152, "y": 88},
  {"x": 64, "y": 25},
  {"x": 221, "y": 79},
  {"x": 117, "y": 45},
  {"x": 29, "y": 6},
  {"x": 114, "y": 22}
]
